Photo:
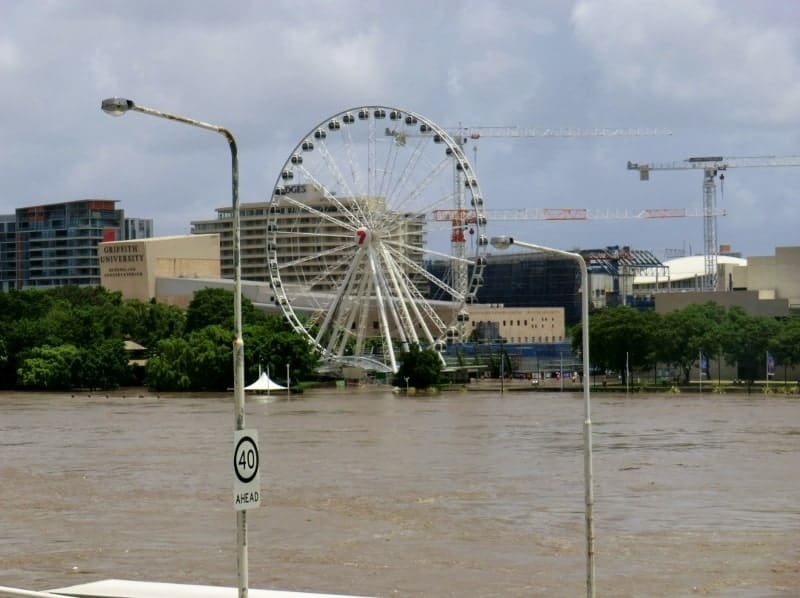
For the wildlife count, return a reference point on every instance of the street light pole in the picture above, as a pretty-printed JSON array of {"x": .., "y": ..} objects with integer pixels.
[
  {"x": 504, "y": 243},
  {"x": 118, "y": 107}
]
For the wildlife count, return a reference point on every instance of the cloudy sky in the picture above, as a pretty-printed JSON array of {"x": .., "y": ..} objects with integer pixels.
[{"x": 723, "y": 76}]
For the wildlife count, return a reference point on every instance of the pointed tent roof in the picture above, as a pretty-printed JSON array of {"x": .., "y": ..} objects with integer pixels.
[{"x": 264, "y": 383}]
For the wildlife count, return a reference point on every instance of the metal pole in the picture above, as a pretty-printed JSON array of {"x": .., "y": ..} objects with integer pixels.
[
  {"x": 502, "y": 369},
  {"x": 118, "y": 107},
  {"x": 700, "y": 364},
  {"x": 588, "y": 474}
]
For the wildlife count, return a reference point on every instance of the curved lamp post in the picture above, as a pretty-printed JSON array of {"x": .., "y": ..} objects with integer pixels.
[
  {"x": 504, "y": 243},
  {"x": 118, "y": 107}
]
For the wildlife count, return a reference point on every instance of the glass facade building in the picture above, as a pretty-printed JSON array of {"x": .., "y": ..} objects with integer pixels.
[
  {"x": 56, "y": 244},
  {"x": 528, "y": 280}
]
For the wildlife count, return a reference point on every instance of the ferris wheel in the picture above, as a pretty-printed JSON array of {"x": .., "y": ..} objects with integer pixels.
[{"x": 376, "y": 237}]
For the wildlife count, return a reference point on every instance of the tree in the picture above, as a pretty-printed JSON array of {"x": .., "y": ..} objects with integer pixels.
[
  {"x": 274, "y": 347},
  {"x": 786, "y": 344},
  {"x": 148, "y": 323},
  {"x": 50, "y": 368},
  {"x": 167, "y": 368},
  {"x": 211, "y": 359},
  {"x": 423, "y": 368},
  {"x": 684, "y": 333},
  {"x": 104, "y": 365},
  {"x": 745, "y": 340},
  {"x": 619, "y": 336},
  {"x": 215, "y": 306}
]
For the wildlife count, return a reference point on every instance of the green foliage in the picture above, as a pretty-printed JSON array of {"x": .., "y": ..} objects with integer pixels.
[
  {"x": 167, "y": 369},
  {"x": 677, "y": 338},
  {"x": 215, "y": 307},
  {"x": 745, "y": 340},
  {"x": 73, "y": 337},
  {"x": 620, "y": 336},
  {"x": 148, "y": 323},
  {"x": 682, "y": 334},
  {"x": 273, "y": 346},
  {"x": 423, "y": 368},
  {"x": 785, "y": 344},
  {"x": 104, "y": 365},
  {"x": 50, "y": 368}
]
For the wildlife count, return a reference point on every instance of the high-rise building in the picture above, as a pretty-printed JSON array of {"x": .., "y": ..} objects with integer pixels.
[
  {"x": 56, "y": 244},
  {"x": 298, "y": 236},
  {"x": 8, "y": 251},
  {"x": 253, "y": 238}
]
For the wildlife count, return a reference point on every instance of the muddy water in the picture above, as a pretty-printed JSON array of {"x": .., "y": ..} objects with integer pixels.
[{"x": 371, "y": 493}]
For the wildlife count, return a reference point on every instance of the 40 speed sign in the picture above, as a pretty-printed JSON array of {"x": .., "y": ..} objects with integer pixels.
[{"x": 246, "y": 478}]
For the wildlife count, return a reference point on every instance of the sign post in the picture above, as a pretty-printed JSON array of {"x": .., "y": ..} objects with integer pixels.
[{"x": 246, "y": 478}]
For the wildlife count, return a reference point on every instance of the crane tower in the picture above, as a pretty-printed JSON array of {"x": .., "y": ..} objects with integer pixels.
[{"x": 711, "y": 167}]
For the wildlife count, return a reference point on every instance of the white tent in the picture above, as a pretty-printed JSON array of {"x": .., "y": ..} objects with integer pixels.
[{"x": 264, "y": 383}]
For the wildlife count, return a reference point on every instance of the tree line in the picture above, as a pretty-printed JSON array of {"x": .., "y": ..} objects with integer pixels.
[
  {"x": 69, "y": 337},
  {"x": 623, "y": 336}
]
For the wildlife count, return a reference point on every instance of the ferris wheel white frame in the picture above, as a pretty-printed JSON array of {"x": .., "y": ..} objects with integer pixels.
[{"x": 347, "y": 222}]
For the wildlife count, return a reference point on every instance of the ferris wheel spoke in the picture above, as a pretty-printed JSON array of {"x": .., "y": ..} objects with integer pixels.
[
  {"x": 332, "y": 270},
  {"x": 363, "y": 314},
  {"x": 352, "y": 219},
  {"x": 352, "y": 160},
  {"x": 381, "y": 308},
  {"x": 409, "y": 169},
  {"x": 419, "y": 305},
  {"x": 354, "y": 311},
  {"x": 416, "y": 268},
  {"x": 413, "y": 250},
  {"x": 338, "y": 177},
  {"x": 395, "y": 298},
  {"x": 335, "y": 307},
  {"x": 402, "y": 294},
  {"x": 419, "y": 187},
  {"x": 313, "y": 258}
]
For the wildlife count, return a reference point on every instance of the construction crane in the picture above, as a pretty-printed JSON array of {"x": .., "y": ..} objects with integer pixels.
[
  {"x": 461, "y": 135},
  {"x": 462, "y": 218},
  {"x": 711, "y": 167},
  {"x": 511, "y": 215}
]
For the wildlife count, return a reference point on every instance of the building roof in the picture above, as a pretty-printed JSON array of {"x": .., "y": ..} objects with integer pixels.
[
  {"x": 683, "y": 268},
  {"x": 610, "y": 259}
]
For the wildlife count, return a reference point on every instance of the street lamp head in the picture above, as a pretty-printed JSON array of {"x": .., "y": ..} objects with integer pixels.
[
  {"x": 502, "y": 242},
  {"x": 116, "y": 106}
]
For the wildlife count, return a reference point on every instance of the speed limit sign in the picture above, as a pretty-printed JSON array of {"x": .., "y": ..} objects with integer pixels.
[{"x": 246, "y": 479}]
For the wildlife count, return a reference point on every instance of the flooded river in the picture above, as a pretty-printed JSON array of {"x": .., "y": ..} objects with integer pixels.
[{"x": 372, "y": 493}]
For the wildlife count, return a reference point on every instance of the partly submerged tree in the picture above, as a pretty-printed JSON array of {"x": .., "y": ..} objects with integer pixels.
[{"x": 422, "y": 367}]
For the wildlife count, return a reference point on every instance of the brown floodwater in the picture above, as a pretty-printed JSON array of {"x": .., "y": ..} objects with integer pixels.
[{"x": 372, "y": 493}]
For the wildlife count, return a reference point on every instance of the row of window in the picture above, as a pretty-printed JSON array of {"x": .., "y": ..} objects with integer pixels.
[
  {"x": 524, "y": 322},
  {"x": 534, "y": 339}
]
